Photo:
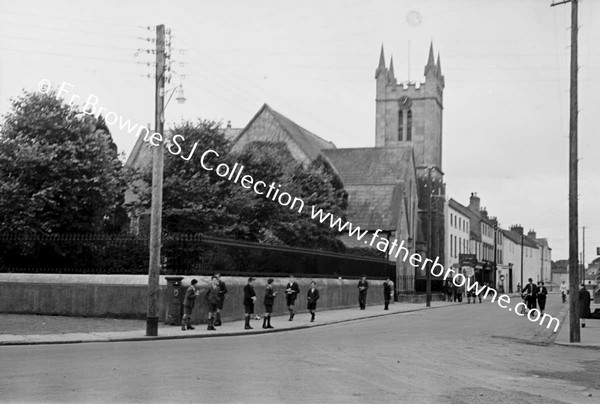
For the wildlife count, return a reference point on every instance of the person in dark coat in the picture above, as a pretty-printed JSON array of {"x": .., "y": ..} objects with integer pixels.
[
  {"x": 222, "y": 292},
  {"x": 448, "y": 290},
  {"x": 530, "y": 291},
  {"x": 212, "y": 299},
  {"x": 291, "y": 293},
  {"x": 363, "y": 287},
  {"x": 387, "y": 294},
  {"x": 249, "y": 299},
  {"x": 188, "y": 305},
  {"x": 268, "y": 302},
  {"x": 541, "y": 297},
  {"x": 312, "y": 296},
  {"x": 584, "y": 304}
]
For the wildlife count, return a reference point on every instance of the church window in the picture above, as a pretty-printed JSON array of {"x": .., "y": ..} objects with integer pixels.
[
  {"x": 409, "y": 126},
  {"x": 400, "y": 124}
]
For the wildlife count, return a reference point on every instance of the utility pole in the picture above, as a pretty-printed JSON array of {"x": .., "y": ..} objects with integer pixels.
[
  {"x": 574, "y": 331},
  {"x": 583, "y": 258},
  {"x": 429, "y": 238},
  {"x": 495, "y": 252},
  {"x": 157, "y": 188},
  {"x": 521, "y": 264}
]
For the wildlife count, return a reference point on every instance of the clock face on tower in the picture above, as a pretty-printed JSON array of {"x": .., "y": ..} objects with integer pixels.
[{"x": 404, "y": 102}]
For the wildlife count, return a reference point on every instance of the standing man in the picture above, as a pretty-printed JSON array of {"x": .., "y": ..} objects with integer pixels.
[
  {"x": 387, "y": 294},
  {"x": 312, "y": 296},
  {"x": 541, "y": 298},
  {"x": 563, "y": 291},
  {"x": 530, "y": 291},
  {"x": 212, "y": 299},
  {"x": 222, "y": 292},
  {"x": 363, "y": 286},
  {"x": 584, "y": 304},
  {"x": 249, "y": 299},
  {"x": 291, "y": 292},
  {"x": 188, "y": 305}
]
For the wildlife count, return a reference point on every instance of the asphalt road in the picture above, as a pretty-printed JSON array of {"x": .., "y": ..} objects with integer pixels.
[{"x": 456, "y": 354}]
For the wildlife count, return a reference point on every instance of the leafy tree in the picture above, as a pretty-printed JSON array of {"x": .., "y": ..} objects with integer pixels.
[
  {"x": 199, "y": 201},
  {"x": 59, "y": 169}
]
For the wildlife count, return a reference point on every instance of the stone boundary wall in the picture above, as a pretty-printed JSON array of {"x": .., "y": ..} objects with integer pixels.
[{"x": 124, "y": 296}]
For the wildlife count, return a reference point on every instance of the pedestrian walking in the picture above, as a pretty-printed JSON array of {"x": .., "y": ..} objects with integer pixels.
[
  {"x": 563, "y": 291},
  {"x": 188, "y": 305},
  {"x": 268, "y": 302},
  {"x": 387, "y": 294},
  {"x": 249, "y": 299},
  {"x": 311, "y": 297},
  {"x": 291, "y": 293},
  {"x": 530, "y": 291},
  {"x": 212, "y": 299},
  {"x": 363, "y": 287},
  {"x": 541, "y": 298},
  {"x": 584, "y": 304},
  {"x": 448, "y": 290},
  {"x": 222, "y": 292}
]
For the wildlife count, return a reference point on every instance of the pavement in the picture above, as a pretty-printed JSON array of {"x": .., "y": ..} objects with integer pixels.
[
  {"x": 19, "y": 329},
  {"x": 589, "y": 336}
]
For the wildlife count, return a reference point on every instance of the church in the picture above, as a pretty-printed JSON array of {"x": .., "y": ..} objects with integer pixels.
[{"x": 396, "y": 188}]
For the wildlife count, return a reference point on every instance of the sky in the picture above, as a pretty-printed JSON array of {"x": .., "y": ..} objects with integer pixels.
[{"x": 506, "y": 68}]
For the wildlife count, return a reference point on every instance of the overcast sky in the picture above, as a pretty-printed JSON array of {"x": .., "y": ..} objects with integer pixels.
[{"x": 506, "y": 65}]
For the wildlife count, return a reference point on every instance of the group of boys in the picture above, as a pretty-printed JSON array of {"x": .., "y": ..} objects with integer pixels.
[{"x": 215, "y": 297}]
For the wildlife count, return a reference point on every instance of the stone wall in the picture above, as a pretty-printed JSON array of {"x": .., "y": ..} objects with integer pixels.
[{"x": 125, "y": 295}]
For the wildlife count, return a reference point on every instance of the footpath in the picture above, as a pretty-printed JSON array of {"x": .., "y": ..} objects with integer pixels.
[
  {"x": 589, "y": 336},
  {"x": 13, "y": 326}
]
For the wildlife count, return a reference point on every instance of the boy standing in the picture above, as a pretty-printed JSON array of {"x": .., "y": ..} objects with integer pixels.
[
  {"x": 387, "y": 294},
  {"x": 268, "y": 302},
  {"x": 363, "y": 286},
  {"x": 188, "y": 305},
  {"x": 249, "y": 299},
  {"x": 291, "y": 292},
  {"x": 212, "y": 298},
  {"x": 222, "y": 292},
  {"x": 312, "y": 296}
]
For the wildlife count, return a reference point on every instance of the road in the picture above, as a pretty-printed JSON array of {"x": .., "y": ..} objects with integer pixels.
[{"x": 456, "y": 354}]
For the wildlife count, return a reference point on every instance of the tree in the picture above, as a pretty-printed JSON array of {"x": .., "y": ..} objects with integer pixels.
[
  {"x": 59, "y": 169},
  {"x": 199, "y": 201}
]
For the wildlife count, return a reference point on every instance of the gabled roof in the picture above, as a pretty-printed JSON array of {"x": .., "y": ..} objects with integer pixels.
[
  {"x": 372, "y": 166},
  {"x": 459, "y": 208},
  {"x": 307, "y": 141}
]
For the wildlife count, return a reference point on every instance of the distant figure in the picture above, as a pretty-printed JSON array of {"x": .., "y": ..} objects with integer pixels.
[
  {"x": 188, "y": 305},
  {"x": 584, "y": 304},
  {"x": 387, "y": 294},
  {"x": 542, "y": 294},
  {"x": 222, "y": 292},
  {"x": 362, "y": 286},
  {"x": 312, "y": 296},
  {"x": 564, "y": 291},
  {"x": 291, "y": 293},
  {"x": 530, "y": 292},
  {"x": 268, "y": 302},
  {"x": 448, "y": 290},
  {"x": 249, "y": 299},
  {"x": 212, "y": 299}
]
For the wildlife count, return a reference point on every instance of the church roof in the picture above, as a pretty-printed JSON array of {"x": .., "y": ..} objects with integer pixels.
[
  {"x": 307, "y": 141},
  {"x": 374, "y": 180},
  {"x": 372, "y": 165}
]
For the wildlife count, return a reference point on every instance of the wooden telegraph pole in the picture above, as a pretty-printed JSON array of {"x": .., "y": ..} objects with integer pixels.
[
  {"x": 574, "y": 332},
  {"x": 157, "y": 188},
  {"x": 429, "y": 239}
]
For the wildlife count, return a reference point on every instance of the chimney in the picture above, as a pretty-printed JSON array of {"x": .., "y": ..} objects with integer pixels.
[
  {"x": 532, "y": 234},
  {"x": 484, "y": 212},
  {"x": 474, "y": 202},
  {"x": 517, "y": 228},
  {"x": 228, "y": 124}
]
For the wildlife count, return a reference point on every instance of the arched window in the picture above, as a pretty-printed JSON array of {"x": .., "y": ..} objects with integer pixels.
[
  {"x": 400, "y": 124},
  {"x": 409, "y": 126}
]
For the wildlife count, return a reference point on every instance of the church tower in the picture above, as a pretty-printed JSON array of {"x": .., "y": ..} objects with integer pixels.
[{"x": 411, "y": 112}]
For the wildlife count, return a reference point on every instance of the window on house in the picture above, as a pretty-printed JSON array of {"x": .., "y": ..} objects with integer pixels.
[
  {"x": 400, "y": 124},
  {"x": 409, "y": 126}
]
